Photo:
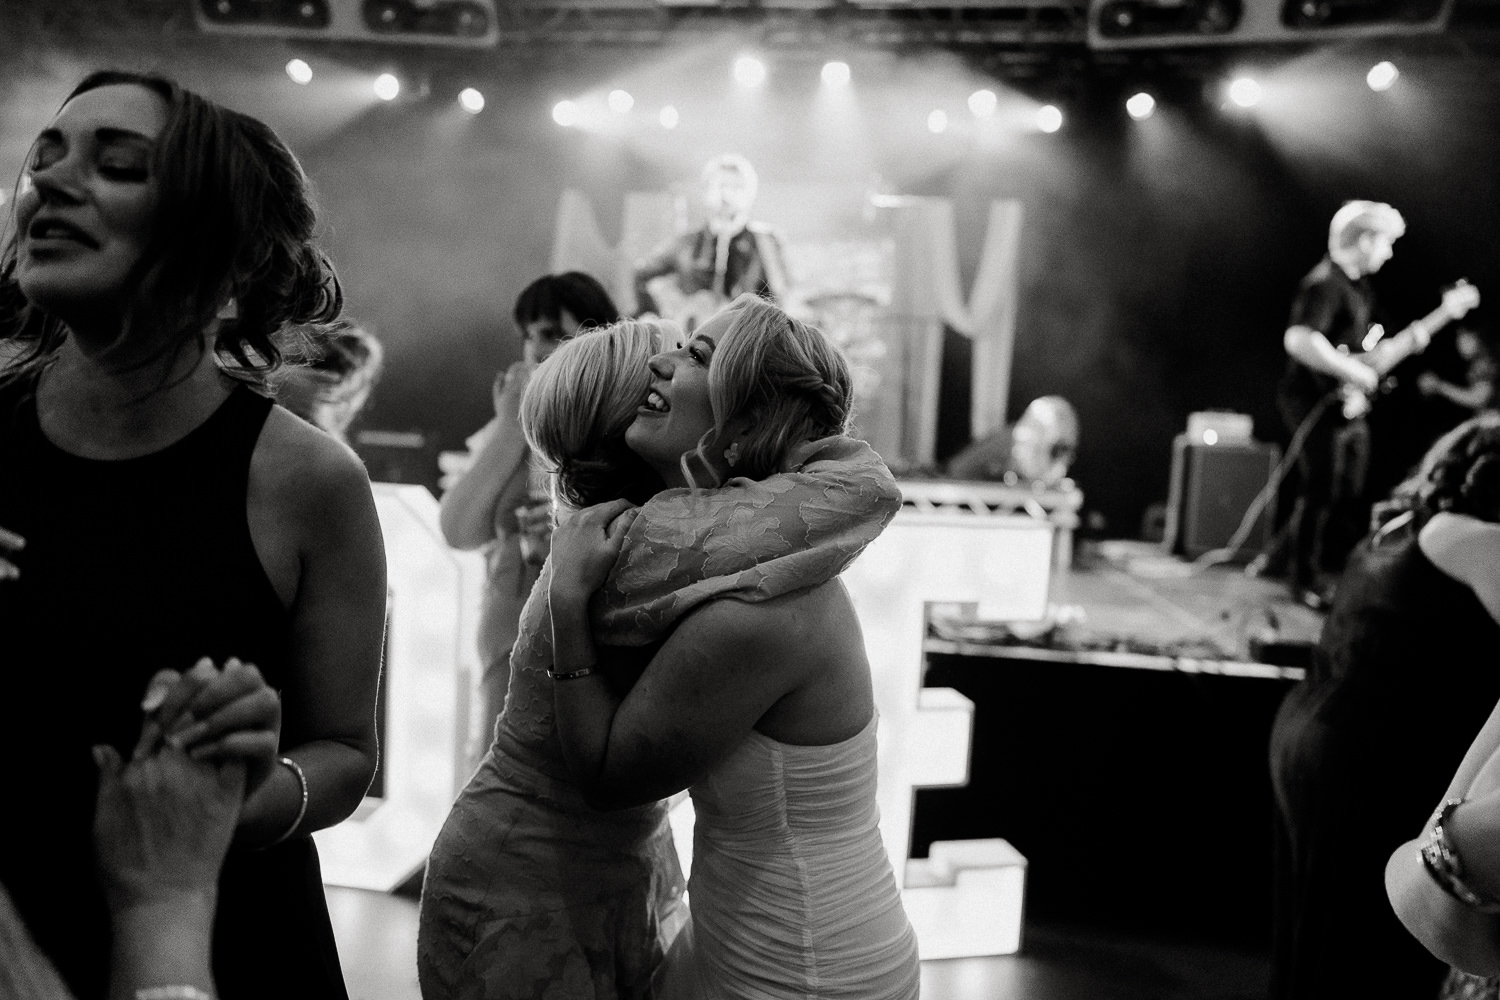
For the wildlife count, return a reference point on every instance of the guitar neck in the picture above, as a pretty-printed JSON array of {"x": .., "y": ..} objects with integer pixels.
[{"x": 1412, "y": 339}]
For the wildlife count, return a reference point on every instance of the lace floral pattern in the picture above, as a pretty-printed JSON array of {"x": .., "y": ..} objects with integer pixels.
[{"x": 750, "y": 540}]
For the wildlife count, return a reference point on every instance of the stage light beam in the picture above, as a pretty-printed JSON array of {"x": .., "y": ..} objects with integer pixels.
[
  {"x": 749, "y": 71},
  {"x": 566, "y": 113},
  {"x": 669, "y": 117},
  {"x": 620, "y": 101},
  {"x": 299, "y": 71},
  {"x": 1382, "y": 76},
  {"x": 836, "y": 74},
  {"x": 471, "y": 100},
  {"x": 1140, "y": 106},
  {"x": 937, "y": 122},
  {"x": 386, "y": 87},
  {"x": 1049, "y": 118},
  {"x": 982, "y": 103}
]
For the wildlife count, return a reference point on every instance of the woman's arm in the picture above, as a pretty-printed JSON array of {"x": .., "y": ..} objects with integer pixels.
[
  {"x": 725, "y": 665},
  {"x": 162, "y": 825},
  {"x": 1465, "y": 549},
  {"x": 1468, "y": 550},
  {"x": 314, "y": 520},
  {"x": 466, "y": 513}
]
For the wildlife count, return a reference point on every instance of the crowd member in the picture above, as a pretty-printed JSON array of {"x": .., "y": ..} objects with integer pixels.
[
  {"x": 495, "y": 502},
  {"x": 764, "y": 710},
  {"x": 1038, "y": 449},
  {"x": 1398, "y": 687},
  {"x": 169, "y": 517},
  {"x": 331, "y": 386},
  {"x": 1475, "y": 389},
  {"x": 530, "y": 892}
]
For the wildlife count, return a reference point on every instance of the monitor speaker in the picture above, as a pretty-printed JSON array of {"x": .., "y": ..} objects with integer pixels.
[{"x": 1213, "y": 487}]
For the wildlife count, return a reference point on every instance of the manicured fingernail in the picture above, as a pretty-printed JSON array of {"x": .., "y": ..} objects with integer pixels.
[{"x": 154, "y": 697}]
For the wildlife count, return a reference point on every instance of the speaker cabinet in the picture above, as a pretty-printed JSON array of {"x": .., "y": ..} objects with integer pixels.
[{"x": 1212, "y": 489}]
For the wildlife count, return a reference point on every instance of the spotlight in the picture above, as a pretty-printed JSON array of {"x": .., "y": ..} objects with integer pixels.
[
  {"x": 1244, "y": 92},
  {"x": 620, "y": 101},
  {"x": 565, "y": 113},
  {"x": 836, "y": 74},
  {"x": 937, "y": 122},
  {"x": 299, "y": 71},
  {"x": 669, "y": 117},
  {"x": 749, "y": 71},
  {"x": 982, "y": 103},
  {"x": 1382, "y": 76},
  {"x": 1140, "y": 106},
  {"x": 1049, "y": 118},
  {"x": 387, "y": 87},
  {"x": 471, "y": 100}
]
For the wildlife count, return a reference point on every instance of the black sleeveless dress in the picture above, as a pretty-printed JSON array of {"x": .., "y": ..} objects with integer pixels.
[
  {"x": 1404, "y": 675},
  {"x": 129, "y": 567}
]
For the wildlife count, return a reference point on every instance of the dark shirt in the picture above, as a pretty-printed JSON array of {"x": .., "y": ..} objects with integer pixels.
[{"x": 1338, "y": 307}]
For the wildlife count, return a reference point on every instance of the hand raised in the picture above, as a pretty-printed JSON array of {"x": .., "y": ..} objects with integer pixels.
[{"x": 162, "y": 825}]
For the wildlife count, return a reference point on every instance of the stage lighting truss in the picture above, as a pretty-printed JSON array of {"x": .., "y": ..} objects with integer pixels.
[
  {"x": 1119, "y": 24},
  {"x": 469, "y": 23}
]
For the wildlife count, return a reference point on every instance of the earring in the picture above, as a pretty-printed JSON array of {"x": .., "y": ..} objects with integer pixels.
[{"x": 732, "y": 454}]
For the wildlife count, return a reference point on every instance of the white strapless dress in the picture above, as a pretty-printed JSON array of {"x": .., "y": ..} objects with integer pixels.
[{"x": 791, "y": 893}]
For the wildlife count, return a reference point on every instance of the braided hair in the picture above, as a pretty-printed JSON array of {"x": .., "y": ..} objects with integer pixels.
[{"x": 786, "y": 375}]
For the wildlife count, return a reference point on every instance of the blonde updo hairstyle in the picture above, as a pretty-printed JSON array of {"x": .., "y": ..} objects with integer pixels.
[
  {"x": 785, "y": 375},
  {"x": 580, "y": 400}
]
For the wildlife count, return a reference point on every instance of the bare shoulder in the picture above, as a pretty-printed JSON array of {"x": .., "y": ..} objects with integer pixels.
[{"x": 305, "y": 472}]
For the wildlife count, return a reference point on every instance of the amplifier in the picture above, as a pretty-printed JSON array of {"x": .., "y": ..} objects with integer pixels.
[{"x": 1212, "y": 488}]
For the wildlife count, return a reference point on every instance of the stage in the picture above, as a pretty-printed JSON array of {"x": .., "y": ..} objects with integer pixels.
[{"x": 1121, "y": 746}]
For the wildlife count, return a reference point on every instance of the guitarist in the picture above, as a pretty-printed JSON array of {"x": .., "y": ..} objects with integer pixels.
[
  {"x": 1336, "y": 363},
  {"x": 694, "y": 275}
]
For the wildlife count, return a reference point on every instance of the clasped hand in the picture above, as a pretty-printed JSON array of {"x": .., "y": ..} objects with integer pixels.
[
  {"x": 585, "y": 545},
  {"x": 215, "y": 715}
]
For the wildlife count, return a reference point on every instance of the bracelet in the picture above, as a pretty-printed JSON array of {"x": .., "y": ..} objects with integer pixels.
[
  {"x": 571, "y": 675},
  {"x": 176, "y": 991},
  {"x": 302, "y": 808},
  {"x": 1442, "y": 862}
]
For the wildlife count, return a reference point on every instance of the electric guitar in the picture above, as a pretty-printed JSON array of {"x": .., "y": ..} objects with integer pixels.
[
  {"x": 1388, "y": 352},
  {"x": 688, "y": 309}
]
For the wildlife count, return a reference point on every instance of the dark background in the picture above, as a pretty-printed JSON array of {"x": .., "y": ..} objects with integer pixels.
[{"x": 1159, "y": 258}]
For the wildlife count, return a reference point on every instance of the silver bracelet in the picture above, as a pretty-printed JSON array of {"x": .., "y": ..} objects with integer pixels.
[
  {"x": 571, "y": 675},
  {"x": 175, "y": 991},
  {"x": 1442, "y": 862},
  {"x": 301, "y": 808}
]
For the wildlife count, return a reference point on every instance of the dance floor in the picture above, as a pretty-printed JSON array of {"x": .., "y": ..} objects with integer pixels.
[{"x": 377, "y": 944}]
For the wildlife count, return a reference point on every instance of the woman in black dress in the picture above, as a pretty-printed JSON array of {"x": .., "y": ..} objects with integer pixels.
[{"x": 183, "y": 536}]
